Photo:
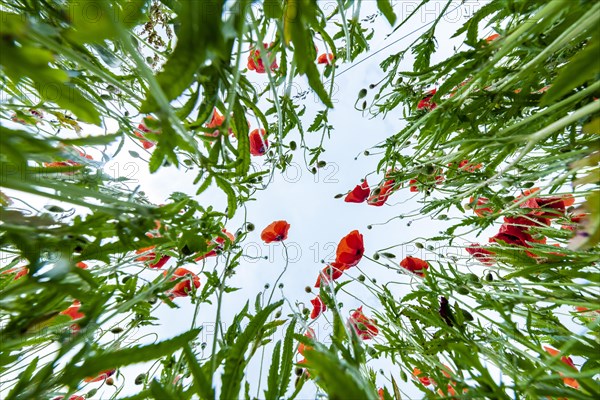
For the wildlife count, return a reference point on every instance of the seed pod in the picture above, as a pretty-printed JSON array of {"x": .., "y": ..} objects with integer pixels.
[
  {"x": 249, "y": 226},
  {"x": 110, "y": 381},
  {"x": 375, "y": 256},
  {"x": 140, "y": 379},
  {"x": 366, "y": 153},
  {"x": 116, "y": 330},
  {"x": 462, "y": 290},
  {"x": 308, "y": 289},
  {"x": 369, "y": 226}
]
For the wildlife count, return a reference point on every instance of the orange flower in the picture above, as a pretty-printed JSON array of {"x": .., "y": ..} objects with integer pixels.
[
  {"x": 258, "y": 142},
  {"x": 381, "y": 394},
  {"x": 215, "y": 122},
  {"x": 413, "y": 187},
  {"x": 464, "y": 165},
  {"x": 73, "y": 311},
  {"x": 216, "y": 245},
  {"x": 318, "y": 307},
  {"x": 331, "y": 272},
  {"x": 183, "y": 288},
  {"x": 350, "y": 249},
  {"x": 572, "y": 382},
  {"x": 359, "y": 194},
  {"x": 310, "y": 333},
  {"x": 325, "y": 58},
  {"x": 81, "y": 265},
  {"x": 477, "y": 209},
  {"x": 379, "y": 195},
  {"x": 415, "y": 265},
  {"x": 101, "y": 376},
  {"x": 144, "y": 129},
  {"x": 277, "y": 231},
  {"x": 255, "y": 62},
  {"x": 18, "y": 271},
  {"x": 363, "y": 326},
  {"x": 426, "y": 103},
  {"x": 423, "y": 379},
  {"x": 483, "y": 255},
  {"x": 491, "y": 38},
  {"x": 149, "y": 256}
]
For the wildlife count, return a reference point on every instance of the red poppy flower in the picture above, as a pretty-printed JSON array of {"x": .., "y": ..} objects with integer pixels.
[
  {"x": 183, "y": 288},
  {"x": 81, "y": 265},
  {"x": 18, "y": 271},
  {"x": 258, "y": 142},
  {"x": 381, "y": 394},
  {"x": 413, "y": 187},
  {"x": 216, "y": 245},
  {"x": 359, "y": 194},
  {"x": 491, "y": 38},
  {"x": 144, "y": 129},
  {"x": 331, "y": 272},
  {"x": 350, "y": 249},
  {"x": 477, "y": 209},
  {"x": 325, "y": 58},
  {"x": 426, "y": 103},
  {"x": 423, "y": 379},
  {"x": 483, "y": 255},
  {"x": 255, "y": 62},
  {"x": 513, "y": 235},
  {"x": 318, "y": 307},
  {"x": 464, "y": 165},
  {"x": 310, "y": 333},
  {"x": 215, "y": 122},
  {"x": 277, "y": 231},
  {"x": 572, "y": 382},
  {"x": 415, "y": 265},
  {"x": 101, "y": 376},
  {"x": 151, "y": 256},
  {"x": 364, "y": 327},
  {"x": 73, "y": 311},
  {"x": 379, "y": 195}
]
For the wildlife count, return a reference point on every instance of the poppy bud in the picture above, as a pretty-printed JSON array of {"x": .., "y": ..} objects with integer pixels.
[
  {"x": 203, "y": 345},
  {"x": 374, "y": 280},
  {"x": 467, "y": 314},
  {"x": 372, "y": 352},
  {"x": 430, "y": 248},
  {"x": 125, "y": 279},
  {"x": 305, "y": 311},
  {"x": 313, "y": 170},
  {"x": 366, "y": 153},
  {"x": 299, "y": 371},
  {"x": 489, "y": 277},
  {"x": 267, "y": 286},
  {"x": 372, "y": 86},
  {"x": 281, "y": 286},
  {"x": 473, "y": 277},
  {"x": 362, "y": 93},
  {"x": 442, "y": 217},
  {"x": 110, "y": 381},
  {"x": 249, "y": 226},
  {"x": 308, "y": 289},
  {"x": 278, "y": 314},
  {"x": 117, "y": 330},
  {"x": 92, "y": 393},
  {"x": 528, "y": 184},
  {"x": 321, "y": 164},
  {"x": 429, "y": 169},
  {"x": 338, "y": 196},
  {"x": 375, "y": 256},
  {"x": 418, "y": 245},
  {"x": 462, "y": 290},
  {"x": 369, "y": 227},
  {"x": 364, "y": 105},
  {"x": 388, "y": 255},
  {"x": 140, "y": 379},
  {"x": 293, "y": 145}
]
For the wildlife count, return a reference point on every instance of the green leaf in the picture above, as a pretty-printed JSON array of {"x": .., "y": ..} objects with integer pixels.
[
  {"x": 159, "y": 392},
  {"x": 273, "y": 8},
  {"x": 231, "y": 197},
  {"x": 240, "y": 125},
  {"x": 386, "y": 9},
  {"x": 236, "y": 361},
  {"x": 287, "y": 358},
  {"x": 202, "y": 382},
  {"x": 127, "y": 356},
  {"x": 92, "y": 140},
  {"x": 24, "y": 381},
  {"x": 273, "y": 381}
]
